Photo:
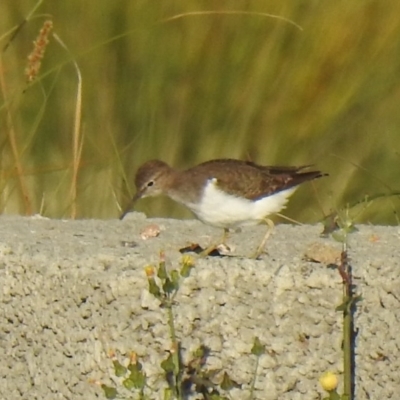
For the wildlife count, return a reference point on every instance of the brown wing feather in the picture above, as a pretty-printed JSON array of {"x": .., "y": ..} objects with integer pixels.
[{"x": 244, "y": 178}]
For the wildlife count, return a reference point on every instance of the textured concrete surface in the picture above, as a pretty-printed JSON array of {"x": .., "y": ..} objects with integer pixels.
[{"x": 71, "y": 291}]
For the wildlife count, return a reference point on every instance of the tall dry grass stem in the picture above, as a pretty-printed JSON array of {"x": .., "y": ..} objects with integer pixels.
[
  {"x": 32, "y": 70},
  {"x": 232, "y": 12},
  {"x": 12, "y": 139},
  {"x": 77, "y": 139}
]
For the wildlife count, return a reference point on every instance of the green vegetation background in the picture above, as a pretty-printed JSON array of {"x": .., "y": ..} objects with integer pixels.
[{"x": 161, "y": 82}]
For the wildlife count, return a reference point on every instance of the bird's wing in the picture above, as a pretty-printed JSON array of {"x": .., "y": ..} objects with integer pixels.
[{"x": 252, "y": 181}]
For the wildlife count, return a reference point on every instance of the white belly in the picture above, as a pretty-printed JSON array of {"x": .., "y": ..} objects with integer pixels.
[{"x": 226, "y": 211}]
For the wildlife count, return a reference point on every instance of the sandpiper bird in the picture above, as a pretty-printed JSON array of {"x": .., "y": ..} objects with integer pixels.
[{"x": 225, "y": 193}]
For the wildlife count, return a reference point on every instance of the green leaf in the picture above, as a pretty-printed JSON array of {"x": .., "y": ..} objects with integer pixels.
[
  {"x": 168, "y": 364},
  {"x": 168, "y": 394},
  {"x": 348, "y": 226},
  {"x": 169, "y": 286},
  {"x": 128, "y": 383},
  {"x": 138, "y": 378},
  {"x": 258, "y": 349},
  {"x": 175, "y": 277},
  {"x": 348, "y": 303},
  {"x": 340, "y": 236},
  {"x": 119, "y": 369},
  {"x": 334, "y": 395},
  {"x": 228, "y": 383},
  {"x": 185, "y": 270},
  {"x": 109, "y": 392},
  {"x": 162, "y": 271},
  {"x": 343, "y": 306},
  {"x": 137, "y": 366},
  {"x": 154, "y": 288},
  {"x": 357, "y": 298},
  {"x": 200, "y": 352}
]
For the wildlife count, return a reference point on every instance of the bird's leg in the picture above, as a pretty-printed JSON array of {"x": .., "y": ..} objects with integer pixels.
[
  {"x": 213, "y": 247},
  {"x": 225, "y": 236},
  {"x": 261, "y": 247}
]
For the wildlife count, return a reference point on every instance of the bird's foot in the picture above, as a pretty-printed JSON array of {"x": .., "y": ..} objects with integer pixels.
[{"x": 216, "y": 250}]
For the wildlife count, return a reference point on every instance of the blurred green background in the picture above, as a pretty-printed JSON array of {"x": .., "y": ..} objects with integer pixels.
[{"x": 161, "y": 82}]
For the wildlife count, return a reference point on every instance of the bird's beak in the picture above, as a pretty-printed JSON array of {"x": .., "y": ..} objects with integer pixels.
[{"x": 137, "y": 196}]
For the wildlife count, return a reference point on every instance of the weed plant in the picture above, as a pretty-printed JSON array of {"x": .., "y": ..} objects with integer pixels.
[{"x": 194, "y": 378}]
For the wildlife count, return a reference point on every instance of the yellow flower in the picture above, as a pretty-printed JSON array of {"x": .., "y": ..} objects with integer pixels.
[
  {"x": 149, "y": 270},
  {"x": 187, "y": 260},
  {"x": 133, "y": 358},
  {"x": 328, "y": 381}
]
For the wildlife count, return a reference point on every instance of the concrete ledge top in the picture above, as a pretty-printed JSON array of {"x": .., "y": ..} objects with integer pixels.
[{"x": 71, "y": 291}]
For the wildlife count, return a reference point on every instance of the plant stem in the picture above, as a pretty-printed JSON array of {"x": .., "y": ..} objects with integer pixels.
[
  {"x": 175, "y": 350},
  {"x": 347, "y": 364},
  {"x": 253, "y": 383},
  {"x": 347, "y": 328}
]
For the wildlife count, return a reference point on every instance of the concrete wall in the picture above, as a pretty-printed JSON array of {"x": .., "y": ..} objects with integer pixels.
[{"x": 71, "y": 291}]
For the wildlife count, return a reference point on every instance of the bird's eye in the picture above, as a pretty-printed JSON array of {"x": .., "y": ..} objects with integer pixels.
[{"x": 150, "y": 184}]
